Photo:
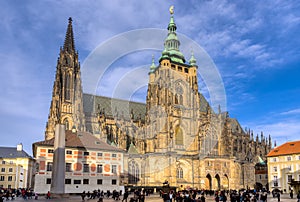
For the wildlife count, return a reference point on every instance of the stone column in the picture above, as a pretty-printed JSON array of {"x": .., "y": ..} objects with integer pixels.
[{"x": 58, "y": 169}]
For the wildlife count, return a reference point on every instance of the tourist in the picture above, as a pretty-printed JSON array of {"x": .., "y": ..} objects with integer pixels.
[
  {"x": 298, "y": 196},
  {"x": 291, "y": 194},
  {"x": 125, "y": 196},
  {"x": 278, "y": 196},
  {"x": 83, "y": 195},
  {"x": 48, "y": 196}
]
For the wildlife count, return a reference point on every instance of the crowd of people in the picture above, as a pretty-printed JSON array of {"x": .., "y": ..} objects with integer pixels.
[
  {"x": 11, "y": 194},
  {"x": 219, "y": 196}
]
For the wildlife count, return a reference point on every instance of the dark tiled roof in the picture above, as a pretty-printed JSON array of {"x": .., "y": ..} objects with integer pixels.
[
  {"x": 83, "y": 140},
  {"x": 113, "y": 107},
  {"x": 286, "y": 149},
  {"x": 11, "y": 152}
]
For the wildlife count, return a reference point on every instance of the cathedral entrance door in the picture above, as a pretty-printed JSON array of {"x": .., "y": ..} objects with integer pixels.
[
  {"x": 208, "y": 182},
  {"x": 217, "y": 182}
]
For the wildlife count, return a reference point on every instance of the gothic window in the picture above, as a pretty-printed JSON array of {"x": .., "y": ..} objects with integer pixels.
[
  {"x": 133, "y": 170},
  {"x": 181, "y": 99},
  {"x": 176, "y": 99},
  {"x": 67, "y": 125},
  {"x": 68, "y": 87},
  {"x": 179, "y": 173},
  {"x": 178, "y": 136}
]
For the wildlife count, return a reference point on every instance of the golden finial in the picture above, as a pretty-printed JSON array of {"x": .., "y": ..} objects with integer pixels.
[{"x": 171, "y": 9}]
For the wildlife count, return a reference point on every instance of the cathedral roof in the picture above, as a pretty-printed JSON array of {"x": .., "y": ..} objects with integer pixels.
[
  {"x": 286, "y": 149},
  {"x": 81, "y": 140},
  {"x": 114, "y": 107}
]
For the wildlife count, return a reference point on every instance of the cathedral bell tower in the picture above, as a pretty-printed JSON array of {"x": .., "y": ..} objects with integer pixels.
[
  {"x": 66, "y": 105},
  {"x": 172, "y": 98}
]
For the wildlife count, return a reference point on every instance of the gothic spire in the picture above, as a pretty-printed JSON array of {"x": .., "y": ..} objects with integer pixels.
[{"x": 69, "y": 45}]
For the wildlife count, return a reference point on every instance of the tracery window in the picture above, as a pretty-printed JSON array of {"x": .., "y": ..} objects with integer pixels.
[
  {"x": 68, "y": 87},
  {"x": 134, "y": 172},
  {"x": 179, "y": 173}
]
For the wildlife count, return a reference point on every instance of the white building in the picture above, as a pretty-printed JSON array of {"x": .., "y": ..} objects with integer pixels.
[
  {"x": 90, "y": 164},
  {"x": 284, "y": 166}
]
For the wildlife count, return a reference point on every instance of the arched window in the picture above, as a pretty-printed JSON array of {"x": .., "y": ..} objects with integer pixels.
[
  {"x": 67, "y": 125},
  {"x": 133, "y": 170},
  {"x": 68, "y": 87},
  {"x": 178, "y": 136},
  {"x": 179, "y": 173},
  {"x": 176, "y": 99}
]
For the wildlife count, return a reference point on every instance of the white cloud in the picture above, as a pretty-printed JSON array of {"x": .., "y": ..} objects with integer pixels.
[{"x": 291, "y": 112}]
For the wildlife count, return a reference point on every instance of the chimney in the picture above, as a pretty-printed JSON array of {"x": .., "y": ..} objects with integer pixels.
[{"x": 20, "y": 147}]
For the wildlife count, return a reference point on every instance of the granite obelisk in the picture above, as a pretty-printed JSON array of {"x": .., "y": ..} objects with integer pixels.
[{"x": 58, "y": 169}]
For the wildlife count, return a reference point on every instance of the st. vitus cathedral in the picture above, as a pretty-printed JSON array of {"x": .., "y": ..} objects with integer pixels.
[{"x": 174, "y": 137}]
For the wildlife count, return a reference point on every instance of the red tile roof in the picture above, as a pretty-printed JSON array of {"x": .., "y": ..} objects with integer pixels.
[
  {"x": 286, "y": 149},
  {"x": 81, "y": 140}
]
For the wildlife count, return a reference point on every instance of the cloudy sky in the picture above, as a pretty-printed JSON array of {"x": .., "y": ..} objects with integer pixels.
[{"x": 255, "y": 46}]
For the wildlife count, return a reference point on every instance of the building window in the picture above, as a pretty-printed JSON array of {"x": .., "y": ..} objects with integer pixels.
[
  {"x": 113, "y": 155},
  {"x": 99, "y": 154},
  {"x": 290, "y": 177},
  {"x": 77, "y": 181},
  {"x": 50, "y": 151},
  {"x": 2, "y": 170},
  {"x": 260, "y": 177},
  {"x": 275, "y": 168},
  {"x": 298, "y": 157},
  {"x": 85, "y": 168},
  {"x": 11, "y": 162},
  {"x": 99, "y": 181},
  {"x": 289, "y": 158},
  {"x": 49, "y": 166},
  {"x": 2, "y": 178},
  {"x": 99, "y": 168},
  {"x": 113, "y": 182},
  {"x": 134, "y": 172},
  {"x": 69, "y": 152},
  {"x": 275, "y": 180},
  {"x": 274, "y": 159},
  {"x": 86, "y": 153},
  {"x": 9, "y": 178},
  {"x": 178, "y": 136},
  {"x": 48, "y": 181},
  {"x": 10, "y": 170},
  {"x": 67, "y": 181},
  {"x": 85, "y": 181},
  {"x": 179, "y": 173},
  {"x": 289, "y": 168},
  {"x": 68, "y": 167},
  {"x": 114, "y": 169},
  {"x": 3, "y": 162}
]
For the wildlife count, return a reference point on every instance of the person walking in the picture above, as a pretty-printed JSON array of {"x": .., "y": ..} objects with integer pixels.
[
  {"x": 48, "y": 196},
  {"x": 125, "y": 196},
  {"x": 298, "y": 196},
  {"x": 278, "y": 196}
]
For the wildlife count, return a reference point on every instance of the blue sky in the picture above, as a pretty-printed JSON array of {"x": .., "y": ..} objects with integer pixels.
[{"x": 254, "y": 44}]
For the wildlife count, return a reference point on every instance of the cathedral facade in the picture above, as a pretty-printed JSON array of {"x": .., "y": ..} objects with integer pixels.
[{"x": 175, "y": 137}]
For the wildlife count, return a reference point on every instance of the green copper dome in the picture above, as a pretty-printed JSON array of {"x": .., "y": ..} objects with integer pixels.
[
  {"x": 152, "y": 67},
  {"x": 172, "y": 44},
  {"x": 193, "y": 61}
]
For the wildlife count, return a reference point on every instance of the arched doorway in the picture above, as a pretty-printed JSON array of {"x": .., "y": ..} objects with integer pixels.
[
  {"x": 208, "y": 182},
  {"x": 225, "y": 182},
  {"x": 218, "y": 182}
]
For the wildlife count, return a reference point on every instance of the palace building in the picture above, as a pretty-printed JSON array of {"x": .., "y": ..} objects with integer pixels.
[{"x": 174, "y": 137}]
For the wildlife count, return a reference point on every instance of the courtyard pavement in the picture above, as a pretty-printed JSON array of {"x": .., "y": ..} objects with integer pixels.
[{"x": 152, "y": 198}]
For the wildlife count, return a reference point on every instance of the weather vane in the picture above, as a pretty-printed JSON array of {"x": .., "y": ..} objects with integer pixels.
[{"x": 171, "y": 9}]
